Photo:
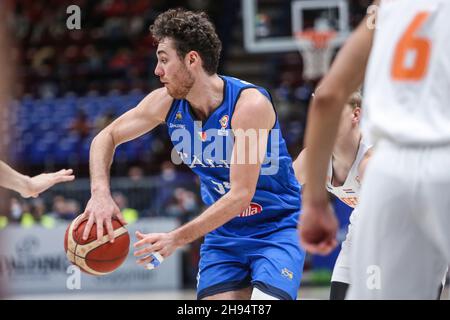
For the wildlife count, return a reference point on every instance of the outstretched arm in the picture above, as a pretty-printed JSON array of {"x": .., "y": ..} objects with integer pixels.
[
  {"x": 318, "y": 225},
  {"x": 31, "y": 187},
  {"x": 244, "y": 176}
]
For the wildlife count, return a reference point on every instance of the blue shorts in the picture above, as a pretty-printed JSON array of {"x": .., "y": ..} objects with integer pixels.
[{"x": 273, "y": 264}]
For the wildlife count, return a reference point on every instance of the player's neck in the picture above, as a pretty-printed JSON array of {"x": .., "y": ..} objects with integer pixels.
[
  {"x": 206, "y": 95},
  {"x": 345, "y": 150}
]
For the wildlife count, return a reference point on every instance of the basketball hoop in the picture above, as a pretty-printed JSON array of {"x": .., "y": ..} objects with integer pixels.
[{"x": 314, "y": 46}]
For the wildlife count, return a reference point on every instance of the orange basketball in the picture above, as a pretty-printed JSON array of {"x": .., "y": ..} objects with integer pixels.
[{"x": 93, "y": 257}]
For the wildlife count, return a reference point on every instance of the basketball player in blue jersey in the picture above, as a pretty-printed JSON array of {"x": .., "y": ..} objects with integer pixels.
[{"x": 251, "y": 248}]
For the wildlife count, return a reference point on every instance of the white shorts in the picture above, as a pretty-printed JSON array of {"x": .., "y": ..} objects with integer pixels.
[
  {"x": 341, "y": 270},
  {"x": 401, "y": 245}
]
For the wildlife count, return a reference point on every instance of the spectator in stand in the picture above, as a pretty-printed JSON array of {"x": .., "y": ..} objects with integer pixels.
[
  {"x": 183, "y": 205},
  {"x": 37, "y": 215},
  {"x": 16, "y": 209},
  {"x": 81, "y": 125},
  {"x": 129, "y": 214},
  {"x": 136, "y": 173},
  {"x": 104, "y": 120},
  {"x": 170, "y": 179}
]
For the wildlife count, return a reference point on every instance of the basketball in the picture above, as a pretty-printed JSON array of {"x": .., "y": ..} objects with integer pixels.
[{"x": 96, "y": 257}]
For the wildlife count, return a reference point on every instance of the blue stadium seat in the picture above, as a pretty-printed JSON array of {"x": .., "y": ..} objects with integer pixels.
[{"x": 43, "y": 128}]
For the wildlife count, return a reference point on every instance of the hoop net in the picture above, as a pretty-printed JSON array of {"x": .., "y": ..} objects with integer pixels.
[{"x": 314, "y": 46}]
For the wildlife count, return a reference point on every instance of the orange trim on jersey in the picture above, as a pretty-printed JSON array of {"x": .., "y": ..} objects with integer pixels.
[{"x": 350, "y": 201}]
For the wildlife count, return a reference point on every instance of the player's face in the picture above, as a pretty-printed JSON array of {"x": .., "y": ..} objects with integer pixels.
[{"x": 172, "y": 71}]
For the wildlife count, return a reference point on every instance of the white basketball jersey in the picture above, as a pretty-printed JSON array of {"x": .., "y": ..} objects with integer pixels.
[
  {"x": 348, "y": 192},
  {"x": 407, "y": 87}
]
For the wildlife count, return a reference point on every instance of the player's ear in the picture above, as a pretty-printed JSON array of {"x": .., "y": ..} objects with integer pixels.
[
  {"x": 357, "y": 114},
  {"x": 192, "y": 58}
]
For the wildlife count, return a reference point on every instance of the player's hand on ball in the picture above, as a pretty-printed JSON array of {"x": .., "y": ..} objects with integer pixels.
[
  {"x": 42, "y": 182},
  {"x": 153, "y": 246},
  {"x": 99, "y": 210},
  {"x": 318, "y": 227}
]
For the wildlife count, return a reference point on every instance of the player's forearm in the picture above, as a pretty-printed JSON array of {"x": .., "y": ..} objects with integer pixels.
[
  {"x": 320, "y": 136},
  {"x": 225, "y": 209},
  {"x": 11, "y": 179},
  {"x": 100, "y": 160}
]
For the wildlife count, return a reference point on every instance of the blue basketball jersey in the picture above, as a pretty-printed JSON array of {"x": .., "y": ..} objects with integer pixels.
[{"x": 206, "y": 148}]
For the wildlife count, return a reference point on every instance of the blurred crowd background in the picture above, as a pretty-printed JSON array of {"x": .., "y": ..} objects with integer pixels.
[{"x": 70, "y": 84}]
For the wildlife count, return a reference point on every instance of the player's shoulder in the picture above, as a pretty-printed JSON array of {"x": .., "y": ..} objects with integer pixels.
[
  {"x": 252, "y": 96},
  {"x": 302, "y": 154},
  {"x": 368, "y": 153},
  {"x": 253, "y": 105},
  {"x": 160, "y": 96},
  {"x": 242, "y": 86},
  {"x": 364, "y": 161},
  {"x": 157, "y": 103},
  {"x": 299, "y": 165}
]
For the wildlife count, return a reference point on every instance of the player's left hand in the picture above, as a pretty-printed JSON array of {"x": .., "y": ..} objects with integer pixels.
[
  {"x": 40, "y": 183},
  {"x": 318, "y": 227},
  {"x": 150, "y": 244}
]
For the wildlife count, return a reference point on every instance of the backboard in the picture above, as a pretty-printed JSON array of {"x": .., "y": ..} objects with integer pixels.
[{"x": 271, "y": 25}]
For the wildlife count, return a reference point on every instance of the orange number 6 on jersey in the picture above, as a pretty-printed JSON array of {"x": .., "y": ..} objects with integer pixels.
[{"x": 410, "y": 42}]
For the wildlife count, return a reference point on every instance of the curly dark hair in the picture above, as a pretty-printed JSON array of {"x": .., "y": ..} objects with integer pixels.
[{"x": 190, "y": 31}]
